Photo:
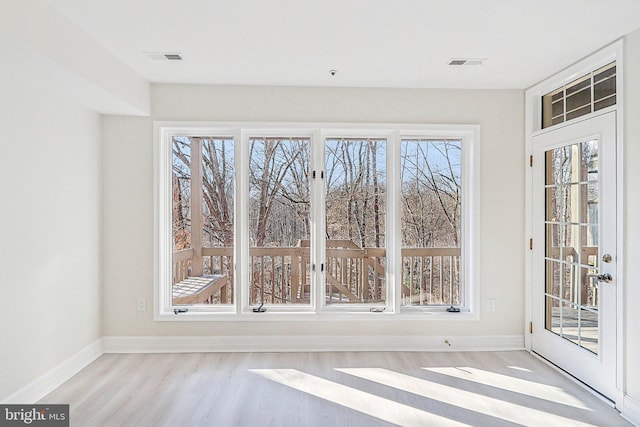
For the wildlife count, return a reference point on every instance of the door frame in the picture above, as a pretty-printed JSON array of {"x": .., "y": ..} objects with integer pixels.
[{"x": 533, "y": 115}]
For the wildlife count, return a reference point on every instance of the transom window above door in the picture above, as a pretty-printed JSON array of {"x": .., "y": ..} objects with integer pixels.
[
  {"x": 592, "y": 92},
  {"x": 303, "y": 220}
]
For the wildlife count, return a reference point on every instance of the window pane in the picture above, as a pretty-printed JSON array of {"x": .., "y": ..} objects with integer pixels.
[
  {"x": 279, "y": 221},
  {"x": 557, "y": 109},
  {"x": 552, "y": 106},
  {"x": 181, "y": 218},
  {"x": 431, "y": 175},
  {"x": 181, "y": 194},
  {"x": 579, "y": 112},
  {"x": 577, "y": 96},
  {"x": 578, "y": 85},
  {"x": 203, "y": 177},
  {"x": 355, "y": 220},
  {"x": 578, "y": 100},
  {"x": 218, "y": 177},
  {"x": 604, "y": 72},
  {"x": 606, "y": 102},
  {"x": 605, "y": 88}
]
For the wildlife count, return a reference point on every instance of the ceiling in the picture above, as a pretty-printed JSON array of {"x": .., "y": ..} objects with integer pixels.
[{"x": 371, "y": 43}]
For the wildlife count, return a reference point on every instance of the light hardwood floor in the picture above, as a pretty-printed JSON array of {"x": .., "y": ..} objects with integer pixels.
[{"x": 328, "y": 389}]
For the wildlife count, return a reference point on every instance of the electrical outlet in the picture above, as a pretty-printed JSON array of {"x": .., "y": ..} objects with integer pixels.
[
  {"x": 491, "y": 304},
  {"x": 141, "y": 304}
]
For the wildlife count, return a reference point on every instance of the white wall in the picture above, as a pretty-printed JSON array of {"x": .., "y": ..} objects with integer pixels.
[
  {"x": 632, "y": 213},
  {"x": 39, "y": 43},
  {"x": 128, "y": 200},
  {"x": 50, "y": 213}
]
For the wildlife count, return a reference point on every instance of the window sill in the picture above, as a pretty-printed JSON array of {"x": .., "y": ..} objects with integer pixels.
[{"x": 328, "y": 316}]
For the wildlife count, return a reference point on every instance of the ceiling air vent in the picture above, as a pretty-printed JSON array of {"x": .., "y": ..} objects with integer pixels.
[
  {"x": 164, "y": 56},
  {"x": 466, "y": 61}
]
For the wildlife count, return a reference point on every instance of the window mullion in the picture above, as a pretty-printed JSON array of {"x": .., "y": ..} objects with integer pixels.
[
  {"x": 394, "y": 255},
  {"x": 318, "y": 255},
  {"x": 242, "y": 222}
]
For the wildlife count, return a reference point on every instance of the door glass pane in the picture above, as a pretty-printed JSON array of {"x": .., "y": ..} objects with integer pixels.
[
  {"x": 554, "y": 198},
  {"x": 569, "y": 323},
  {"x": 590, "y": 208},
  {"x": 589, "y": 288},
  {"x": 552, "y": 319},
  {"x": 570, "y": 282},
  {"x": 570, "y": 242},
  {"x": 279, "y": 222},
  {"x": 356, "y": 177},
  {"x": 589, "y": 330},
  {"x": 553, "y": 272},
  {"x": 554, "y": 239},
  {"x": 431, "y": 176},
  {"x": 571, "y": 248}
]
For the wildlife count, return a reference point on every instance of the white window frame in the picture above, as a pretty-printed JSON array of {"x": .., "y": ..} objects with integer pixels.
[
  {"x": 242, "y": 201},
  {"x": 355, "y": 133},
  {"x": 318, "y": 309}
]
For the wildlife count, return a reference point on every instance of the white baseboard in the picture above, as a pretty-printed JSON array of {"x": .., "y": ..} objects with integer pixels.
[
  {"x": 196, "y": 344},
  {"x": 43, "y": 385},
  {"x": 630, "y": 410}
]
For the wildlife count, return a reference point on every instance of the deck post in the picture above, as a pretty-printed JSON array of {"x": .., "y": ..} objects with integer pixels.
[{"x": 196, "y": 205}]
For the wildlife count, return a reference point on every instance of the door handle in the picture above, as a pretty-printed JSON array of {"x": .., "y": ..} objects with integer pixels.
[{"x": 606, "y": 277}]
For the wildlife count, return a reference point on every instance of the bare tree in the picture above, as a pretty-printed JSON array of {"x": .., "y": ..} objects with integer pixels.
[
  {"x": 431, "y": 193},
  {"x": 278, "y": 180},
  {"x": 217, "y": 181},
  {"x": 181, "y": 194},
  {"x": 355, "y": 187}
]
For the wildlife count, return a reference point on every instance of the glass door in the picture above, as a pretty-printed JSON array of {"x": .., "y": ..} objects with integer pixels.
[{"x": 574, "y": 250}]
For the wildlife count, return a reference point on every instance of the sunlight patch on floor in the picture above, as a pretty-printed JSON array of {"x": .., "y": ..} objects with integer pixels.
[
  {"x": 372, "y": 405},
  {"x": 497, "y": 408},
  {"x": 518, "y": 368},
  {"x": 513, "y": 384}
]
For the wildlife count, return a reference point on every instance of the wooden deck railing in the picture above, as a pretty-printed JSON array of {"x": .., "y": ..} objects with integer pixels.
[
  {"x": 219, "y": 261},
  {"x": 182, "y": 264},
  {"x": 430, "y": 276},
  {"x": 354, "y": 274},
  {"x": 279, "y": 275}
]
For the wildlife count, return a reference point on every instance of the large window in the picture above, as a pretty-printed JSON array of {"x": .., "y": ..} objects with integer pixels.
[{"x": 296, "y": 219}]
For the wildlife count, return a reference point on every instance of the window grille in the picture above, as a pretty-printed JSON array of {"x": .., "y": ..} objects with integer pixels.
[{"x": 589, "y": 93}]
